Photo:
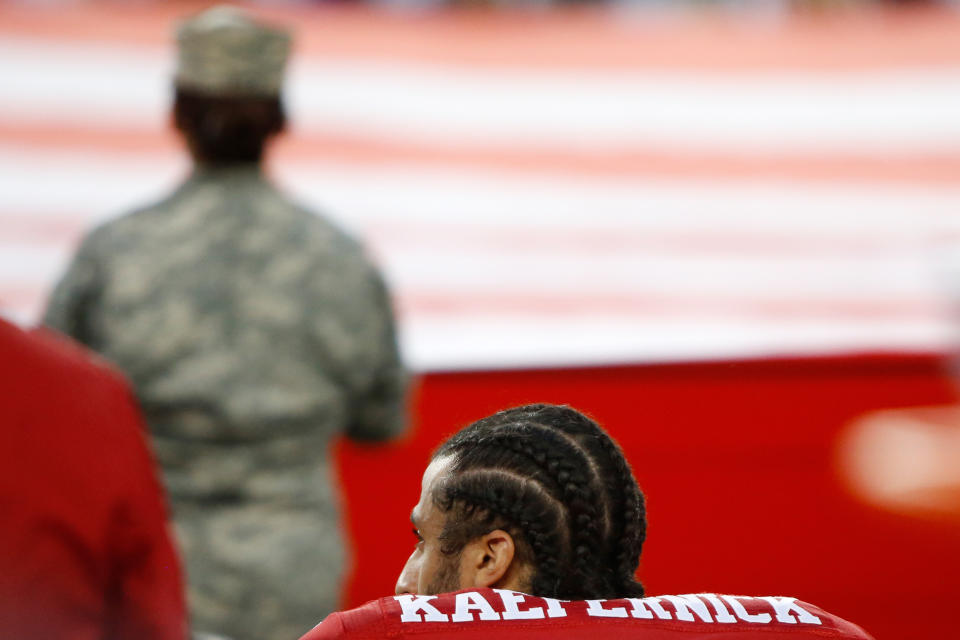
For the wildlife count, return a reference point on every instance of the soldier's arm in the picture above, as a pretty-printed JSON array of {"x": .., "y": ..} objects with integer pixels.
[
  {"x": 69, "y": 303},
  {"x": 380, "y": 412}
]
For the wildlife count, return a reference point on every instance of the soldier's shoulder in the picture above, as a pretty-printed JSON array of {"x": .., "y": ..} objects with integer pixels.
[
  {"x": 147, "y": 213},
  {"x": 321, "y": 224},
  {"x": 323, "y": 233},
  {"x": 131, "y": 222}
]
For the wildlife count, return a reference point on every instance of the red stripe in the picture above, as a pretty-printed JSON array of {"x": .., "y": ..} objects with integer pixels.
[
  {"x": 389, "y": 237},
  {"x": 298, "y": 149},
  {"x": 692, "y": 306},
  {"x": 870, "y": 38},
  {"x": 28, "y": 229},
  {"x": 402, "y": 237},
  {"x": 639, "y": 307}
]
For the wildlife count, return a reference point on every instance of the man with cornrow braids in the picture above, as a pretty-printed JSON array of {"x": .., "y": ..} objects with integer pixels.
[{"x": 530, "y": 525}]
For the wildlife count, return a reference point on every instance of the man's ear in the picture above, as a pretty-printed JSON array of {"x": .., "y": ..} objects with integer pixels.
[{"x": 489, "y": 561}]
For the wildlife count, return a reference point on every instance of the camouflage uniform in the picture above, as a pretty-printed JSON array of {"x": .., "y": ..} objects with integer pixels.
[{"x": 254, "y": 332}]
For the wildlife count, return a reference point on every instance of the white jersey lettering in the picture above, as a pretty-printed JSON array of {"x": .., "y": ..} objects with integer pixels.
[
  {"x": 723, "y": 615},
  {"x": 595, "y": 608},
  {"x": 783, "y": 607},
  {"x": 470, "y": 606},
  {"x": 639, "y": 609},
  {"x": 412, "y": 605},
  {"x": 512, "y": 612},
  {"x": 741, "y": 612},
  {"x": 654, "y": 605},
  {"x": 684, "y": 604},
  {"x": 554, "y": 608},
  {"x": 470, "y": 601}
]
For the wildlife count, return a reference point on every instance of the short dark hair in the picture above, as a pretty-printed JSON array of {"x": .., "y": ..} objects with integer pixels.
[
  {"x": 560, "y": 485},
  {"x": 227, "y": 129}
]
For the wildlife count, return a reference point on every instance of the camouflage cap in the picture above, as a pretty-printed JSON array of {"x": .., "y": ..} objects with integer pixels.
[{"x": 222, "y": 51}]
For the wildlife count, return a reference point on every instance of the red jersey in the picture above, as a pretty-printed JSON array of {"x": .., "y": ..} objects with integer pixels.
[
  {"x": 483, "y": 614},
  {"x": 85, "y": 552}
]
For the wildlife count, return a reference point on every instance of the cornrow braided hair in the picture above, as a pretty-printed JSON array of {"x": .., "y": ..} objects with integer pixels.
[
  {"x": 627, "y": 506},
  {"x": 562, "y": 488}
]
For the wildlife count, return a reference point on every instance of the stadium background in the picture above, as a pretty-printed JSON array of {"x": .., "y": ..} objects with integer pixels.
[{"x": 730, "y": 236}]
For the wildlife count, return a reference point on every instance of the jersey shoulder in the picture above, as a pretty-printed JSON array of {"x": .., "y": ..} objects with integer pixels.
[
  {"x": 482, "y": 613},
  {"x": 367, "y": 621}
]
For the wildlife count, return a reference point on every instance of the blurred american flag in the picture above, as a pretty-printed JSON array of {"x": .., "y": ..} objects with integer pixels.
[{"x": 545, "y": 188}]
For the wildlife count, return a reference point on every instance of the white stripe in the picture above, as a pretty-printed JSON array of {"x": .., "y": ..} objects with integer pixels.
[
  {"x": 508, "y": 198},
  {"x": 101, "y": 84},
  {"x": 31, "y": 266},
  {"x": 902, "y": 110},
  {"x": 493, "y": 343},
  {"x": 610, "y": 111},
  {"x": 101, "y": 184},
  {"x": 465, "y": 273},
  {"x": 90, "y": 185},
  {"x": 625, "y": 279}
]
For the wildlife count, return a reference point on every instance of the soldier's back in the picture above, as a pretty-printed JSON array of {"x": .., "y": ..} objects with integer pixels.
[
  {"x": 238, "y": 315},
  {"x": 252, "y": 329}
]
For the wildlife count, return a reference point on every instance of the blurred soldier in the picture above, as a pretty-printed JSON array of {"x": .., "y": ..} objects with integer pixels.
[
  {"x": 254, "y": 332},
  {"x": 84, "y": 547}
]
